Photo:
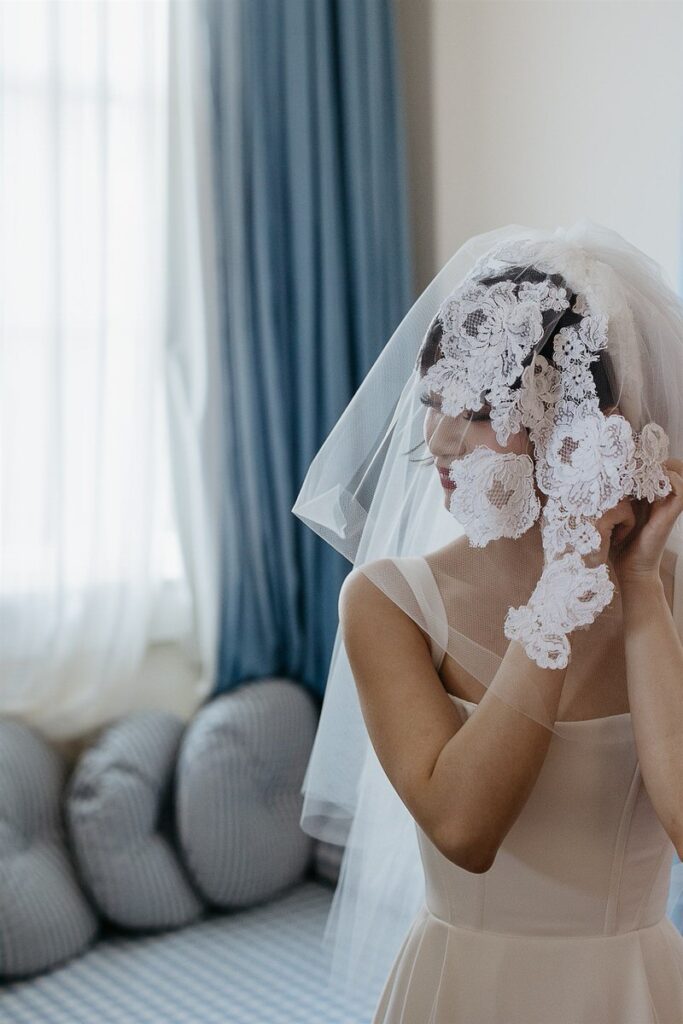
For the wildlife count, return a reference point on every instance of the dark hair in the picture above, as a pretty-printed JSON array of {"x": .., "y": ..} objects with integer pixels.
[{"x": 430, "y": 352}]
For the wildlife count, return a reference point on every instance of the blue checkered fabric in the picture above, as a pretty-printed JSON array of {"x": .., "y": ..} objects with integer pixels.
[{"x": 262, "y": 965}]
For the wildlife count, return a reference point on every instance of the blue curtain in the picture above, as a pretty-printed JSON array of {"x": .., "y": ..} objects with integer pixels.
[{"x": 315, "y": 273}]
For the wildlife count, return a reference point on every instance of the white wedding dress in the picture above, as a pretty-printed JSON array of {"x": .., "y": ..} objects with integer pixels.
[{"x": 569, "y": 924}]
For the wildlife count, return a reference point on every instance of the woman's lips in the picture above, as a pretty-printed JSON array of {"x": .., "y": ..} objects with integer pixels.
[{"x": 446, "y": 480}]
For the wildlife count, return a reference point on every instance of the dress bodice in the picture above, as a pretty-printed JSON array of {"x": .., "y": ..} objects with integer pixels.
[{"x": 587, "y": 854}]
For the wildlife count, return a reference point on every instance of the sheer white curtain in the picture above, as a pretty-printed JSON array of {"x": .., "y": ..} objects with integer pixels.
[
  {"x": 193, "y": 357},
  {"x": 90, "y": 566}
]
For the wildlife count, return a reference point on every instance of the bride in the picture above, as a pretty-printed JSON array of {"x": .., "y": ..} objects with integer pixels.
[{"x": 500, "y": 749}]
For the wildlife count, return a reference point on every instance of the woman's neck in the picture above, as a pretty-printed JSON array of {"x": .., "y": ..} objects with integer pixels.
[{"x": 517, "y": 557}]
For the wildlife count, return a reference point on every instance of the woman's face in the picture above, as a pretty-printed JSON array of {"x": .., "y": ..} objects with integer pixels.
[{"x": 452, "y": 437}]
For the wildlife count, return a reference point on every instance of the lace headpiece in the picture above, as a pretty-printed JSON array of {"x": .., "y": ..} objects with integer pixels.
[
  {"x": 574, "y": 341},
  {"x": 493, "y": 326}
]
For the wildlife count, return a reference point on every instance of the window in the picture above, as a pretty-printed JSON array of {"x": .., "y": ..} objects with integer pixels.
[{"x": 85, "y": 493}]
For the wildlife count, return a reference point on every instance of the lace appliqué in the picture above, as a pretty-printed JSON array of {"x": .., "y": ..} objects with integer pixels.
[
  {"x": 488, "y": 331},
  {"x": 569, "y": 595},
  {"x": 494, "y": 494},
  {"x": 585, "y": 462},
  {"x": 652, "y": 448}
]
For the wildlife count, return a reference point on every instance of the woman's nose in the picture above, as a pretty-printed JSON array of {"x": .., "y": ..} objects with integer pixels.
[{"x": 446, "y": 437}]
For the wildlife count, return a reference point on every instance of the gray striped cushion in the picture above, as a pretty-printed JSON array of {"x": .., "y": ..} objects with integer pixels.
[
  {"x": 240, "y": 769},
  {"x": 45, "y": 918},
  {"x": 119, "y": 807}
]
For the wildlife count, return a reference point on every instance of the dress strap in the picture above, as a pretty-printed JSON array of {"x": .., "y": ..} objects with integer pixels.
[{"x": 428, "y": 596}]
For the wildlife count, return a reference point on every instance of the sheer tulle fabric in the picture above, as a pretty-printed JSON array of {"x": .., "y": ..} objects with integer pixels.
[
  {"x": 373, "y": 494},
  {"x": 570, "y": 923}
]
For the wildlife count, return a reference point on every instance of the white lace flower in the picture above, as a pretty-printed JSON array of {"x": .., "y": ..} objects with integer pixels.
[
  {"x": 548, "y": 650},
  {"x": 568, "y": 595},
  {"x": 585, "y": 462},
  {"x": 572, "y": 594},
  {"x": 546, "y": 293},
  {"x": 580, "y": 305},
  {"x": 580, "y": 342},
  {"x": 446, "y": 378},
  {"x": 652, "y": 448},
  {"x": 540, "y": 389},
  {"x": 505, "y": 416},
  {"x": 578, "y": 384},
  {"x": 589, "y": 462},
  {"x": 561, "y": 529},
  {"x": 494, "y": 494},
  {"x": 567, "y": 346},
  {"x": 491, "y": 330},
  {"x": 593, "y": 332}
]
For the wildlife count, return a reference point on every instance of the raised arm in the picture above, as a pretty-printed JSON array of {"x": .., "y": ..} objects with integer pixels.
[{"x": 464, "y": 783}]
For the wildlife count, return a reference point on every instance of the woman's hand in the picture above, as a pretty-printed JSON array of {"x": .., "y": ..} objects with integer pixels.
[
  {"x": 634, "y": 533},
  {"x": 613, "y": 526}
]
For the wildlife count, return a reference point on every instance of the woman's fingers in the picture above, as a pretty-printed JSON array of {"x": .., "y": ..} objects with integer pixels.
[
  {"x": 675, "y": 464},
  {"x": 624, "y": 527},
  {"x": 623, "y": 513},
  {"x": 621, "y": 519},
  {"x": 615, "y": 524}
]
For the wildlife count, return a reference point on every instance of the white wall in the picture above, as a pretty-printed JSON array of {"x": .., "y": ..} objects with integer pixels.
[{"x": 520, "y": 111}]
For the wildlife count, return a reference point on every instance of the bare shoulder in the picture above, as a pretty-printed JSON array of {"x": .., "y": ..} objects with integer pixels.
[
  {"x": 365, "y": 607},
  {"x": 407, "y": 712},
  {"x": 359, "y": 593}
]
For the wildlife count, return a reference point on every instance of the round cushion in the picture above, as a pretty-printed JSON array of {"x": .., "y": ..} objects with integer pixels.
[
  {"x": 119, "y": 808},
  {"x": 238, "y": 792},
  {"x": 45, "y": 917}
]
